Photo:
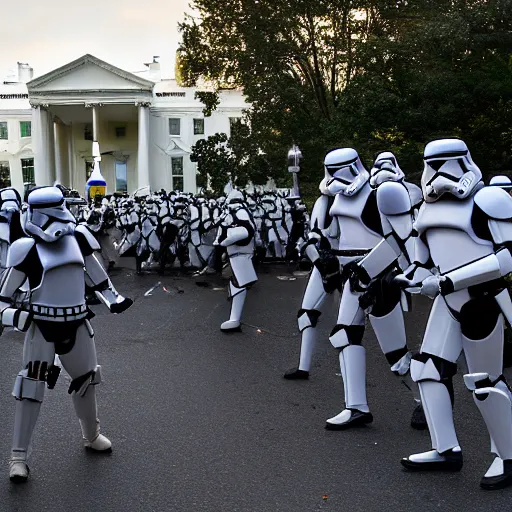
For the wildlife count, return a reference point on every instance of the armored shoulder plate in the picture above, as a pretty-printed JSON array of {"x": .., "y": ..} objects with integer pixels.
[
  {"x": 242, "y": 214},
  {"x": 495, "y": 202},
  {"x": 19, "y": 250},
  {"x": 415, "y": 194},
  {"x": 393, "y": 198},
  {"x": 86, "y": 236}
]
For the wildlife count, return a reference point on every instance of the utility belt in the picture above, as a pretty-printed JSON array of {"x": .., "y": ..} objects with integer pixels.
[
  {"x": 350, "y": 253},
  {"x": 347, "y": 256},
  {"x": 52, "y": 314}
]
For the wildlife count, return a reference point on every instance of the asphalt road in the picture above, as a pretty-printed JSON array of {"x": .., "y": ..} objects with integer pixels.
[{"x": 203, "y": 421}]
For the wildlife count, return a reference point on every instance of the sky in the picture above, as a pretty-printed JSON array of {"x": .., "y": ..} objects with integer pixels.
[{"x": 126, "y": 33}]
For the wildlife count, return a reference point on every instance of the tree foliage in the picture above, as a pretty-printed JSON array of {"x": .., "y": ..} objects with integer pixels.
[
  {"x": 237, "y": 159},
  {"x": 372, "y": 74}
]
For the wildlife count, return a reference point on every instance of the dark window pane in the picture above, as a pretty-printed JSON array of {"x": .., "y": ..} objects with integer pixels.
[
  {"x": 88, "y": 131},
  {"x": 27, "y": 167},
  {"x": 177, "y": 166},
  {"x": 120, "y": 131},
  {"x": 26, "y": 128},
  {"x": 4, "y": 134},
  {"x": 177, "y": 183},
  {"x": 174, "y": 126},
  {"x": 5, "y": 175},
  {"x": 89, "y": 166},
  {"x": 121, "y": 177},
  {"x": 233, "y": 122},
  {"x": 198, "y": 126}
]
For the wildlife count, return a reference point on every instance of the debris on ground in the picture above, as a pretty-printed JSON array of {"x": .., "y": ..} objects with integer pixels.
[{"x": 152, "y": 289}]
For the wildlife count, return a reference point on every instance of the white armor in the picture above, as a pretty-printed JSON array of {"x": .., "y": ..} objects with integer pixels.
[
  {"x": 323, "y": 280},
  {"x": 361, "y": 229},
  {"x": 10, "y": 230},
  {"x": 466, "y": 233},
  {"x": 55, "y": 318},
  {"x": 396, "y": 202},
  {"x": 236, "y": 233}
]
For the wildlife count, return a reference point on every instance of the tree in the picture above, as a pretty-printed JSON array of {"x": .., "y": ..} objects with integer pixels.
[
  {"x": 220, "y": 160},
  {"x": 214, "y": 162},
  {"x": 372, "y": 74}
]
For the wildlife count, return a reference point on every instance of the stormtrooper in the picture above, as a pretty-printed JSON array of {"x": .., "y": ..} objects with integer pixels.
[
  {"x": 236, "y": 233},
  {"x": 10, "y": 229},
  {"x": 324, "y": 279},
  {"x": 398, "y": 202},
  {"x": 465, "y": 233},
  {"x": 57, "y": 261},
  {"x": 356, "y": 212}
]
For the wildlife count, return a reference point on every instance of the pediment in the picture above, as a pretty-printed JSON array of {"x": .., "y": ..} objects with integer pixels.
[
  {"x": 88, "y": 74},
  {"x": 177, "y": 147}
]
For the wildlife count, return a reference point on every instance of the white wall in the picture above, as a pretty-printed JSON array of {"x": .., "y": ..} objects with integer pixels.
[
  {"x": 15, "y": 147},
  {"x": 172, "y": 101},
  {"x": 14, "y": 107}
]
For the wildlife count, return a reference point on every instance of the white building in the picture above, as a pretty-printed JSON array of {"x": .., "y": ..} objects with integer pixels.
[{"x": 145, "y": 128}]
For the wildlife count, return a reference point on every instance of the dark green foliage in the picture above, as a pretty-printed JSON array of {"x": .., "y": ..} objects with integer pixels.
[{"x": 372, "y": 74}]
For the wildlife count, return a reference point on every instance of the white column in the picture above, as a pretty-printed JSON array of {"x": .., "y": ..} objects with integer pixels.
[
  {"x": 71, "y": 155},
  {"x": 95, "y": 123},
  {"x": 61, "y": 153},
  {"x": 41, "y": 144},
  {"x": 51, "y": 150},
  {"x": 16, "y": 173},
  {"x": 143, "y": 147}
]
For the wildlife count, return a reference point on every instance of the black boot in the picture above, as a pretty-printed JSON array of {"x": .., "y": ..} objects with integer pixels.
[
  {"x": 492, "y": 483},
  {"x": 452, "y": 462},
  {"x": 357, "y": 419},
  {"x": 296, "y": 374}
]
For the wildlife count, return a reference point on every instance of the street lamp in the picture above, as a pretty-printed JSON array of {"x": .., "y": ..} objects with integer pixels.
[{"x": 294, "y": 158}]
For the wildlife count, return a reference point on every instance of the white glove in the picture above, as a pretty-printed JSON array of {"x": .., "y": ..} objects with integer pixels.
[{"x": 431, "y": 286}]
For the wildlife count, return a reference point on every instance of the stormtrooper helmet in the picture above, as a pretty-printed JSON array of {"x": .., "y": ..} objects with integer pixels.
[
  {"x": 235, "y": 200},
  {"x": 46, "y": 216},
  {"x": 385, "y": 168},
  {"x": 503, "y": 182},
  {"x": 449, "y": 169},
  {"x": 10, "y": 201},
  {"x": 345, "y": 172}
]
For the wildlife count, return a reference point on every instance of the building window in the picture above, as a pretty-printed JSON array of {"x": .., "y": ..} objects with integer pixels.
[
  {"x": 120, "y": 132},
  {"x": 89, "y": 167},
  {"x": 88, "y": 131},
  {"x": 4, "y": 133},
  {"x": 121, "y": 177},
  {"x": 177, "y": 173},
  {"x": 5, "y": 175},
  {"x": 198, "y": 126},
  {"x": 26, "y": 128},
  {"x": 174, "y": 126},
  {"x": 27, "y": 168},
  {"x": 233, "y": 122}
]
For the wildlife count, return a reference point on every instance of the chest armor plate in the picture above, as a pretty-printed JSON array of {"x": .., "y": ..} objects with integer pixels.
[
  {"x": 63, "y": 282},
  {"x": 353, "y": 232},
  {"x": 446, "y": 226}
]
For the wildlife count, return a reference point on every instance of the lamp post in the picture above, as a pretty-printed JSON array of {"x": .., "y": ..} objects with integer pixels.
[{"x": 294, "y": 158}]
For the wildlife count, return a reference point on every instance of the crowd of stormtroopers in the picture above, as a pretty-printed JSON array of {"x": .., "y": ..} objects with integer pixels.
[
  {"x": 372, "y": 237},
  {"x": 178, "y": 229},
  {"x": 377, "y": 240}
]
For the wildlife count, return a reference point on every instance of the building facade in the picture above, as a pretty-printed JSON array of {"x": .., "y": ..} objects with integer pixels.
[{"x": 145, "y": 128}]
